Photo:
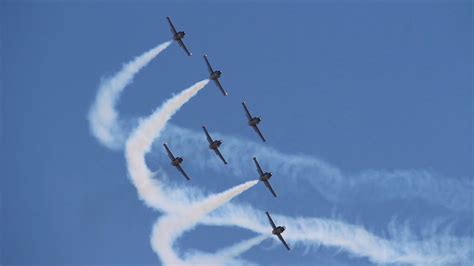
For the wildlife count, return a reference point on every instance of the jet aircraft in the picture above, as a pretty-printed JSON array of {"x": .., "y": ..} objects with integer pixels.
[
  {"x": 253, "y": 121},
  {"x": 215, "y": 75},
  {"x": 278, "y": 230},
  {"x": 178, "y": 36},
  {"x": 264, "y": 177},
  {"x": 176, "y": 161},
  {"x": 214, "y": 144}
]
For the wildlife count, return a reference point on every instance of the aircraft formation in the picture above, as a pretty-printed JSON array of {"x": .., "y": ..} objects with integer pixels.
[{"x": 214, "y": 145}]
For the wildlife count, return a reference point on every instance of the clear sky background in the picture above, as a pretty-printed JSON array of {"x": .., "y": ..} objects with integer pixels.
[{"x": 367, "y": 85}]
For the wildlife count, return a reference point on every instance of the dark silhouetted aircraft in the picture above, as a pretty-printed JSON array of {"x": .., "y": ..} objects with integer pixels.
[
  {"x": 253, "y": 121},
  {"x": 215, "y": 75},
  {"x": 264, "y": 177},
  {"x": 214, "y": 144},
  {"x": 178, "y": 36},
  {"x": 277, "y": 230},
  {"x": 176, "y": 162}
]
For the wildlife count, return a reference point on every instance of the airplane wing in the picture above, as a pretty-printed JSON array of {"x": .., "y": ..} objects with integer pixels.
[
  {"x": 267, "y": 184},
  {"x": 259, "y": 169},
  {"x": 270, "y": 220},
  {"x": 249, "y": 116},
  {"x": 218, "y": 152},
  {"x": 208, "y": 64},
  {"x": 220, "y": 87},
  {"x": 173, "y": 30},
  {"x": 183, "y": 172},
  {"x": 169, "y": 152},
  {"x": 209, "y": 139},
  {"x": 259, "y": 133},
  {"x": 181, "y": 43},
  {"x": 283, "y": 241}
]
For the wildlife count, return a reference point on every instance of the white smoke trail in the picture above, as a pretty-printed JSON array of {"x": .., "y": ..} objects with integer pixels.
[
  {"x": 403, "y": 247},
  {"x": 103, "y": 117},
  {"x": 139, "y": 143},
  {"x": 308, "y": 231},
  {"x": 331, "y": 182},
  {"x": 173, "y": 225}
]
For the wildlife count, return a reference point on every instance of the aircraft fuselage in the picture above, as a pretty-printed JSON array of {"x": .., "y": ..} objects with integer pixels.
[
  {"x": 278, "y": 230},
  {"x": 178, "y": 36},
  {"x": 266, "y": 176},
  {"x": 215, "y": 144},
  {"x": 177, "y": 161},
  {"x": 254, "y": 121},
  {"x": 215, "y": 75}
]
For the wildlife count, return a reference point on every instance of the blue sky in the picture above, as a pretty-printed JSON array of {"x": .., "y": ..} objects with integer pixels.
[{"x": 362, "y": 86}]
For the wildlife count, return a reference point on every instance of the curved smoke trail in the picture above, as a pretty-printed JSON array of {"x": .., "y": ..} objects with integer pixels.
[
  {"x": 103, "y": 117},
  {"x": 308, "y": 231},
  {"x": 140, "y": 142}
]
